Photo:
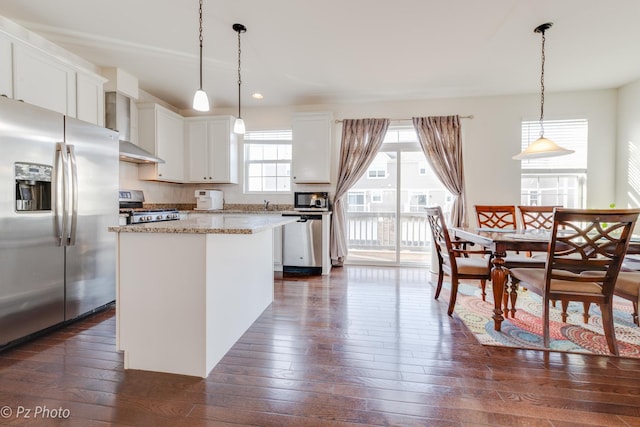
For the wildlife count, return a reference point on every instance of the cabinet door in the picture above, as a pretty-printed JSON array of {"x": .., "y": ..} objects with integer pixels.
[
  {"x": 311, "y": 161},
  {"x": 197, "y": 141},
  {"x": 223, "y": 151},
  {"x": 6, "y": 73},
  {"x": 170, "y": 145},
  {"x": 161, "y": 132},
  {"x": 41, "y": 81},
  {"x": 90, "y": 99}
]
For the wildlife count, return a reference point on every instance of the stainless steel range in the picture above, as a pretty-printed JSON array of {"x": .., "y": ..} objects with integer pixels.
[{"x": 131, "y": 204}]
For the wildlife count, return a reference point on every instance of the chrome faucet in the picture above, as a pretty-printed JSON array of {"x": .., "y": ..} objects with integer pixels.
[{"x": 266, "y": 205}]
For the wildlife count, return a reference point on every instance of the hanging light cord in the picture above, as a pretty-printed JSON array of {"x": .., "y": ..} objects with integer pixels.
[
  {"x": 239, "y": 78},
  {"x": 542, "y": 87},
  {"x": 200, "y": 38}
]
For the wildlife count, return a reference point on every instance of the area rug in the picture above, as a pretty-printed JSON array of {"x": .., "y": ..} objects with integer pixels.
[{"x": 525, "y": 329}]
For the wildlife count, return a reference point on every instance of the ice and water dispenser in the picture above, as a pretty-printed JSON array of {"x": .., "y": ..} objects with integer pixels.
[{"x": 33, "y": 187}]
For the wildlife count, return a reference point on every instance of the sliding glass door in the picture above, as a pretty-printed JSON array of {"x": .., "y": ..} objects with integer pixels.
[{"x": 385, "y": 213}]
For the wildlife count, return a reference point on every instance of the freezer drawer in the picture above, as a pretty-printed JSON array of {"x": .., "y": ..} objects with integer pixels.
[{"x": 302, "y": 245}]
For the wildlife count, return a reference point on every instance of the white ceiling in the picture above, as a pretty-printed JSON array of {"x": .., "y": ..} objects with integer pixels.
[{"x": 333, "y": 51}]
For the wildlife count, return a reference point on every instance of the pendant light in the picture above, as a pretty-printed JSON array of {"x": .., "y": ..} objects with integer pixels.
[
  {"x": 542, "y": 147},
  {"x": 200, "y": 99},
  {"x": 238, "y": 126}
]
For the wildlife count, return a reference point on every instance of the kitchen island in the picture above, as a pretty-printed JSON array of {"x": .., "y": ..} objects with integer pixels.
[{"x": 187, "y": 290}]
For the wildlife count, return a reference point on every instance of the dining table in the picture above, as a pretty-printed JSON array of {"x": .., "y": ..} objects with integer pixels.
[{"x": 500, "y": 241}]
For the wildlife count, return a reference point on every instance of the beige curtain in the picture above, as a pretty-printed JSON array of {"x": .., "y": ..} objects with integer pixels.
[
  {"x": 361, "y": 140},
  {"x": 442, "y": 145}
]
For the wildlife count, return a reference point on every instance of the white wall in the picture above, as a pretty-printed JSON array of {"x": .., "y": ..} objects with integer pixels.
[
  {"x": 489, "y": 141},
  {"x": 628, "y": 154}
]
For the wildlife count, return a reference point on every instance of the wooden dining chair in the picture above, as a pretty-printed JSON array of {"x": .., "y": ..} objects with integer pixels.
[
  {"x": 536, "y": 217},
  {"x": 583, "y": 262},
  {"x": 458, "y": 263},
  {"x": 496, "y": 216},
  {"x": 504, "y": 217},
  {"x": 628, "y": 287}
]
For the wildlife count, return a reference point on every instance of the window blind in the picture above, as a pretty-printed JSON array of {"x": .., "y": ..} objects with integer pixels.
[
  {"x": 269, "y": 135},
  {"x": 570, "y": 134}
]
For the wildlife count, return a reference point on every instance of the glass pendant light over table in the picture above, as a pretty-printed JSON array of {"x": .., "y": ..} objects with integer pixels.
[
  {"x": 200, "y": 99},
  {"x": 542, "y": 147},
  {"x": 238, "y": 126}
]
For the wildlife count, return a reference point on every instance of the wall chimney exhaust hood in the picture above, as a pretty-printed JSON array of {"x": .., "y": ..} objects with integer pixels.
[{"x": 118, "y": 117}]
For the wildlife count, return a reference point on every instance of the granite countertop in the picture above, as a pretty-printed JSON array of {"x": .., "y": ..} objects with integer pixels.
[
  {"x": 210, "y": 224},
  {"x": 255, "y": 212}
]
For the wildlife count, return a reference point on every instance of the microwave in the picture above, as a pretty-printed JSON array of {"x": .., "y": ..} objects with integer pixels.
[{"x": 311, "y": 201}]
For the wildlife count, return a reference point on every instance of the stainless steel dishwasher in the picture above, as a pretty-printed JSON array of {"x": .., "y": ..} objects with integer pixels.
[{"x": 302, "y": 245}]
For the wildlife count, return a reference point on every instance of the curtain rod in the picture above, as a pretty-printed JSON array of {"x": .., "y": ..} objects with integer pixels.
[{"x": 407, "y": 120}]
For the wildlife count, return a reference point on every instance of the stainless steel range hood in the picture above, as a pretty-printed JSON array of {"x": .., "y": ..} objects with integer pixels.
[{"x": 118, "y": 117}]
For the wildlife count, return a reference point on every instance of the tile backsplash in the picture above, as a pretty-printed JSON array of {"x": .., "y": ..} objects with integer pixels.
[{"x": 154, "y": 192}]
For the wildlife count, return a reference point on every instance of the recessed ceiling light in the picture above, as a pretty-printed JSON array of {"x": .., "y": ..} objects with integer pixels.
[{"x": 257, "y": 96}]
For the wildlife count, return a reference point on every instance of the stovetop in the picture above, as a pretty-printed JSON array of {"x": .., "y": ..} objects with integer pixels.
[
  {"x": 137, "y": 216},
  {"x": 136, "y": 210},
  {"x": 131, "y": 204}
]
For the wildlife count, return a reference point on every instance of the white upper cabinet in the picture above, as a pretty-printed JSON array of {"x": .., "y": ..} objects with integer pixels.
[
  {"x": 311, "y": 161},
  {"x": 40, "y": 80},
  {"x": 6, "y": 73},
  {"x": 40, "y": 73},
  {"x": 197, "y": 151},
  {"x": 212, "y": 150},
  {"x": 161, "y": 132},
  {"x": 90, "y": 98}
]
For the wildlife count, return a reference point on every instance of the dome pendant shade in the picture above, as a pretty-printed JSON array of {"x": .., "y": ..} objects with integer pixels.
[{"x": 542, "y": 147}]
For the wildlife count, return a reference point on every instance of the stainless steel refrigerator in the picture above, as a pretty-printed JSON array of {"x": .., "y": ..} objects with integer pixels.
[{"x": 58, "y": 196}]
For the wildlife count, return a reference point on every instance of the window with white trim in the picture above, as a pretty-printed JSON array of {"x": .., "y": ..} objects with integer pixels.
[
  {"x": 356, "y": 200},
  {"x": 418, "y": 201},
  {"x": 377, "y": 171},
  {"x": 267, "y": 160},
  {"x": 422, "y": 168},
  {"x": 558, "y": 180}
]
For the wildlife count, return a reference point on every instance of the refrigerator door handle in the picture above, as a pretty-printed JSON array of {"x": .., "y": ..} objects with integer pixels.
[
  {"x": 60, "y": 193},
  {"x": 73, "y": 215}
]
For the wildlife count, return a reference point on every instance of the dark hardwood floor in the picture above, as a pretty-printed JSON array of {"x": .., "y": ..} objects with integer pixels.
[{"x": 365, "y": 346}]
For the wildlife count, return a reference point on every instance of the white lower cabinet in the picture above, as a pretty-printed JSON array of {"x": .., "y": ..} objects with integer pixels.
[
  {"x": 161, "y": 132},
  {"x": 212, "y": 150}
]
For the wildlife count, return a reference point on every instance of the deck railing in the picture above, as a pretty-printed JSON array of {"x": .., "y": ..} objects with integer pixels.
[{"x": 378, "y": 230}]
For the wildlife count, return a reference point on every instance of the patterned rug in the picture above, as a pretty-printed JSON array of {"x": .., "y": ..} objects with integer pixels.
[{"x": 525, "y": 330}]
